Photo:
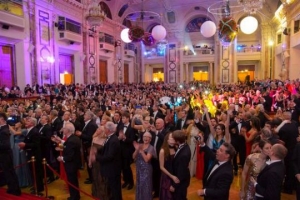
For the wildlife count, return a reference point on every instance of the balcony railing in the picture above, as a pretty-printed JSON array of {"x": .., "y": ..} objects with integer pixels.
[
  {"x": 65, "y": 24},
  {"x": 106, "y": 38},
  {"x": 248, "y": 49},
  {"x": 129, "y": 46}
]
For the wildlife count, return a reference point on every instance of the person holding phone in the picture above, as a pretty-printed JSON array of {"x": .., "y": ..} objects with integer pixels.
[{"x": 217, "y": 181}]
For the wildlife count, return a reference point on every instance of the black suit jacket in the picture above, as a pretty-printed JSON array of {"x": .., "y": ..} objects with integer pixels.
[
  {"x": 4, "y": 139},
  {"x": 45, "y": 138},
  {"x": 127, "y": 147},
  {"x": 56, "y": 126},
  {"x": 288, "y": 133},
  {"x": 217, "y": 185},
  {"x": 296, "y": 159},
  {"x": 180, "y": 169},
  {"x": 87, "y": 133},
  {"x": 161, "y": 135},
  {"x": 269, "y": 181},
  {"x": 71, "y": 153},
  {"x": 179, "y": 125},
  {"x": 110, "y": 158},
  {"x": 32, "y": 141}
]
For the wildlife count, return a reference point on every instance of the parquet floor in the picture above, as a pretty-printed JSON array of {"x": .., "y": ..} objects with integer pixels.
[{"x": 59, "y": 191}]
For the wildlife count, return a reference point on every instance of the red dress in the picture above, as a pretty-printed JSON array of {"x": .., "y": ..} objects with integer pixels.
[
  {"x": 200, "y": 164},
  {"x": 248, "y": 146}
]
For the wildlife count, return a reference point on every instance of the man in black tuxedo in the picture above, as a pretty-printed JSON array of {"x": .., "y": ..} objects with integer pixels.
[
  {"x": 217, "y": 180},
  {"x": 86, "y": 136},
  {"x": 269, "y": 180},
  {"x": 6, "y": 158},
  {"x": 288, "y": 133},
  {"x": 110, "y": 162},
  {"x": 156, "y": 113},
  {"x": 242, "y": 120},
  {"x": 71, "y": 159},
  {"x": 182, "y": 121},
  {"x": 158, "y": 134},
  {"x": 32, "y": 146},
  {"x": 126, "y": 137},
  {"x": 117, "y": 119},
  {"x": 45, "y": 132},
  {"x": 180, "y": 166},
  {"x": 296, "y": 168}
]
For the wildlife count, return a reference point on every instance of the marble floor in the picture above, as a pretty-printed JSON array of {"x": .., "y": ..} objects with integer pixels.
[{"x": 59, "y": 191}]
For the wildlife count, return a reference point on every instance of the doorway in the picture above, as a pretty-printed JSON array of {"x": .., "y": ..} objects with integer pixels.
[
  {"x": 158, "y": 74},
  {"x": 66, "y": 69},
  {"x": 200, "y": 73},
  {"x": 103, "y": 71},
  {"x": 6, "y": 66},
  {"x": 246, "y": 72},
  {"x": 126, "y": 73}
]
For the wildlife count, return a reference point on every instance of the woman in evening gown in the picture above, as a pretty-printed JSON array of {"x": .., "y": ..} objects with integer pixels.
[
  {"x": 98, "y": 187},
  {"x": 166, "y": 156},
  {"x": 192, "y": 131},
  {"x": 143, "y": 154},
  {"x": 220, "y": 132},
  {"x": 254, "y": 164},
  {"x": 251, "y": 134},
  {"x": 19, "y": 157}
]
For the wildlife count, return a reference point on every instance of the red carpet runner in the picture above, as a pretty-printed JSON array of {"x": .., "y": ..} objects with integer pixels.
[{"x": 24, "y": 196}]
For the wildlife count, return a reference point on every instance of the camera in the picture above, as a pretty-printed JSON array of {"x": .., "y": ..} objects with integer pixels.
[{"x": 12, "y": 120}]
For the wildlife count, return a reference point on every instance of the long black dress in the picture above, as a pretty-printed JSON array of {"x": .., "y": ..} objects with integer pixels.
[{"x": 165, "y": 181}]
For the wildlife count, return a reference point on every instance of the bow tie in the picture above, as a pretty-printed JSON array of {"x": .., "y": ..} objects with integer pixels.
[{"x": 125, "y": 126}]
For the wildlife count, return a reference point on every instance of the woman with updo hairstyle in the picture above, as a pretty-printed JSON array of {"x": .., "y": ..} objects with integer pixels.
[
  {"x": 254, "y": 164},
  {"x": 251, "y": 134},
  {"x": 143, "y": 154}
]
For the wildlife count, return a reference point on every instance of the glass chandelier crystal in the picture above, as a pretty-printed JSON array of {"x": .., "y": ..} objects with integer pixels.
[
  {"x": 95, "y": 14},
  {"x": 251, "y": 6}
]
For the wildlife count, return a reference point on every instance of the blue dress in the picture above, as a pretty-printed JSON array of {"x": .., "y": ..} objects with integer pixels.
[
  {"x": 19, "y": 158},
  {"x": 144, "y": 176},
  {"x": 216, "y": 145}
]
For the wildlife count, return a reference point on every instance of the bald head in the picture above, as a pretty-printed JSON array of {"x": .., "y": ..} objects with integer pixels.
[
  {"x": 278, "y": 152},
  {"x": 159, "y": 124}
]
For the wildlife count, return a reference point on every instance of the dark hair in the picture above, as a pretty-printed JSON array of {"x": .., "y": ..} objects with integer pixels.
[
  {"x": 222, "y": 126},
  {"x": 3, "y": 115},
  {"x": 126, "y": 114},
  {"x": 270, "y": 123},
  {"x": 262, "y": 143},
  {"x": 179, "y": 136},
  {"x": 229, "y": 150},
  {"x": 255, "y": 123},
  {"x": 165, "y": 146}
]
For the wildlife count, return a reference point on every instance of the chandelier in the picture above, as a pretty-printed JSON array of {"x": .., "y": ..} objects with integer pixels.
[
  {"x": 136, "y": 32},
  {"x": 251, "y": 6},
  {"x": 95, "y": 15}
]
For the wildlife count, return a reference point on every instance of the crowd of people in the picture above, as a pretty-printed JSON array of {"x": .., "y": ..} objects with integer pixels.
[{"x": 172, "y": 132}]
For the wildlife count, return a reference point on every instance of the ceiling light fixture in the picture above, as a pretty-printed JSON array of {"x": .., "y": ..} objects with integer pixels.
[
  {"x": 251, "y": 6},
  {"x": 95, "y": 15}
]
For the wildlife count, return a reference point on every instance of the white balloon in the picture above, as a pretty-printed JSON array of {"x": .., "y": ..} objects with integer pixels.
[
  {"x": 208, "y": 29},
  {"x": 125, "y": 35},
  {"x": 159, "y": 32},
  {"x": 249, "y": 25}
]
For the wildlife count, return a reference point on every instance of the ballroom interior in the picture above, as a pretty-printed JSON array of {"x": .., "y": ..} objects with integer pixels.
[{"x": 130, "y": 41}]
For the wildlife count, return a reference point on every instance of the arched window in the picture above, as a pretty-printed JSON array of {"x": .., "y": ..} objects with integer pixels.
[
  {"x": 106, "y": 9},
  {"x": 122, "y": 10},
  {"x": 195, "y": 24}
]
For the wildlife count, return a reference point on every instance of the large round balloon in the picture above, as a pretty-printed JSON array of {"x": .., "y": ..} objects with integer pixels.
[
  {"x": 125, "y": 35},
  {"x": 249, "y": 25},
  {"x": 208, "y": 29},
  {"x": 159, "y": 32}
]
